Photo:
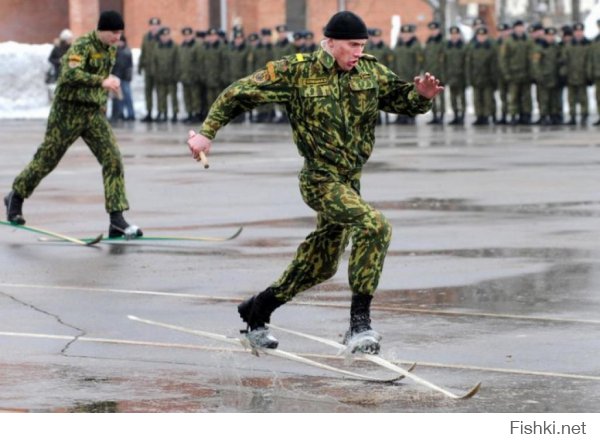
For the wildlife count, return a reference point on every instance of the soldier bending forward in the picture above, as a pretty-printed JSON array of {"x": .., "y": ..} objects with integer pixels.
[
  {"x": 332, "y": 97},
  {"x": 79, "y": 110}
]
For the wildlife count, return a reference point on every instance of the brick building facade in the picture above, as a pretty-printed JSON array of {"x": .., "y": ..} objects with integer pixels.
[{"x": 40, "y": 21}]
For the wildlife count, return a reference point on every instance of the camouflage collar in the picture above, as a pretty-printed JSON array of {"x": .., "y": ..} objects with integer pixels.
[{"x": 328, "y": 60}]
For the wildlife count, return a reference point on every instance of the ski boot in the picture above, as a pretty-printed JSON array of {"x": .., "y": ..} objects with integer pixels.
[
  {"x": 360, "y": 337},
  {"x": 120, "y": 228},
  {"x": 14, "y": 208},
  {"x": 256, "y": 313}
]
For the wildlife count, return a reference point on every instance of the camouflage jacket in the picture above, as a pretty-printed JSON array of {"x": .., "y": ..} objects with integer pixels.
[
  {"x": 84, "y": 67},
  {"x": 332, "y": 113}
]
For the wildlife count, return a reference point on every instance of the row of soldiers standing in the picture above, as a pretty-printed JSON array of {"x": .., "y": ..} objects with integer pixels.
[
  {"x": 509, "y": 65},
  {"x": 205, "y": 63},
  {"x": 504, "y": 68}
]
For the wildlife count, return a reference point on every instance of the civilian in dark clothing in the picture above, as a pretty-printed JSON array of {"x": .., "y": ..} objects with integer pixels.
[{"x": 123, "y": 69}]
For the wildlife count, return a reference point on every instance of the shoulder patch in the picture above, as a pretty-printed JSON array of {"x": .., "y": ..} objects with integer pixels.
[
  {"x": 300, "y": 58},
  {"x": 74, "y": 61}
]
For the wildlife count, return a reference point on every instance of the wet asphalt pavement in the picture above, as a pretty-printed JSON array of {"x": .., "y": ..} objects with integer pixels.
[{"x": 493, "y": 275}]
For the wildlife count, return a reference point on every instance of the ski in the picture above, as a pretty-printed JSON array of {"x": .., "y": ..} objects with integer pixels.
[
  {"x": 55, "y": 235},
  {"x": 385, "y": 364},
  {"x": 272, "y": 352},
  {"x": 158, "y": 238}
]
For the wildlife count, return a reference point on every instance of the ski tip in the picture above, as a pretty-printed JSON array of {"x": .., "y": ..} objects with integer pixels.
[
  {"x": 95, "y": 240},
  {"x": 133, "y": 317},
  {"x": 237, "y": 233},
  {"x": 474, "y": 390}
]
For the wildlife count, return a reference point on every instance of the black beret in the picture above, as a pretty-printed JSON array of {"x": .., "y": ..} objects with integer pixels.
[
  {"x": 111, "y": 21},
  {"x": 346, "y": 25}
]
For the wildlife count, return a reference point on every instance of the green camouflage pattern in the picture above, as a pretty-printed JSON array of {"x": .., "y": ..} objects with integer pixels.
[
  {"x": 83, "y": 69},
  {"x": 333, "y": 115},
  {"x": 79, "y": 110},
  {"x": 66, "y": 123}
]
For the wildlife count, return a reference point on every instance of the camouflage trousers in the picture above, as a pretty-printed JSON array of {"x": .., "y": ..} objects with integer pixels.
[
  {"x": 342, "y": 215},
  {"x": 66, "y": 123}
]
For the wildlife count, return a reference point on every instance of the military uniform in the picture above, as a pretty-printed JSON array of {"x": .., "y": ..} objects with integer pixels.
[
  {"x": 455, "y": 57},
  {"x": 408, "y": 60},
  {"x": 578, "y": 70},
  {"x": 79, "y": 110},
  {"x": 191, "y": 94},
  {"x": 433, "y": 63},
  {"x": 332, "y": 114},
  {"x": 145, "y": 65},
  {"x": 545, "y": 65},
  {"x": 167, "y": 72},
  {"x": 515, "y": 56},
  {"x": 482, "y": 73},
  {"x": 502, "y": 83}
]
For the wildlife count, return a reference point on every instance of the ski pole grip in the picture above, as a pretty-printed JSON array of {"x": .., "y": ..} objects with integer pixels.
[{"x": 202, "y": 159}]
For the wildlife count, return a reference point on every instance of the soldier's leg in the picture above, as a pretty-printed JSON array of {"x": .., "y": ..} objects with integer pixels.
[
  {"x": 99, "y": 137},
  {"x": 162, "y": 92},
  {"x": 583, "y": 100},
  {"x": 526, "y": 101},
  {"x": 174, "y": 98},
  {"x": 64, "y": 127},
  {"x": 149, "y": 86},
  {"x": 572, "y": 98},
  {"x": 513, "y": 101}
]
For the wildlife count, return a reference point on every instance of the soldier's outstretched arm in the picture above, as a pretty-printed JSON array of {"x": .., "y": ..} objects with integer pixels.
[{"x": 401, "y": 97}]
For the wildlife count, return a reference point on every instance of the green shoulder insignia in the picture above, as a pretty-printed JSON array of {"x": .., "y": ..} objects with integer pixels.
[{"x": 300, "y": 58}]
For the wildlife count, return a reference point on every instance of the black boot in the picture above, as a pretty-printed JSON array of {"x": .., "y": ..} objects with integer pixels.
[
  {"x": 256, "y": 313},
  {"x": 14, "y": 208},
  {"x": 120, "y": 228},
  {"x": 360, "y": 336},
  {"x": 174, "y": 118},
  {"x": 572, "y": 121},
  {"x": 583, "y": 121},
  {"x": 147, "y": 119}
]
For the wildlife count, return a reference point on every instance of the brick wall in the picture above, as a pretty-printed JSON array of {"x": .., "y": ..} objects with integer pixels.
[{"x": 40, "y": 21}]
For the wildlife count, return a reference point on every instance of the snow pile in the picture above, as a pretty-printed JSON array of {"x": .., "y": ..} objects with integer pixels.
[{"x": 23, "y": 92}]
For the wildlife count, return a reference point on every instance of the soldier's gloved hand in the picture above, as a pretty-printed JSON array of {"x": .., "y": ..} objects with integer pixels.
[
  {"x": 428, "y": 86},
  {"x": 198, "y": 143}
]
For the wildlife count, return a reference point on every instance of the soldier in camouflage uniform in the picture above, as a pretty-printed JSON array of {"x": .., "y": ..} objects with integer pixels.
[
  {"x": 455, "y": 57},
  {"x": 595, "y": 69},
  {"x": 332, "y": 97},
  {"x": 433, "y": 62},
  {"x": 167, "y": 72},
  {"x": 545, "y": 65},
  {"x": 578, "y": 68},
  {"x": 408, "y": 60},
  {"x": 482, "y": 70},
  {"x": 145, "y": 65},
  {"x": 79, "y": 110},
  {"x": 515, "y": 63},
  {"x": 191, "y": 94}
]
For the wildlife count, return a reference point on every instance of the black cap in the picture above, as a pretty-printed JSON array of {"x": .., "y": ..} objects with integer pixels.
[
  {"x": 200, "y": 34},
  {"x": 537, "y": 27},
  {"x": 374, "y": 32},
  {"x": 433, "y": 25},
  {"x": 212, "y": 31},
  {"x": 503, "y": 27},
  {"x": 550, "y": 31},
  {"x": 253, "y": 37},
  {"x": 578, "y": 27},
  {"x": 518, "y": 23},
  {"x": 164, "y": 31},
  {"x": 454, "y": 30},
  {"x": 111, "y": 21},
  {"x": 265, "y": 31},
  {"x": 154, "y": 21},
  {"x": 187, "y": 31},
  {"x": 298, "y": 35},
  {"x": 481, "y": 30},
  {"x": 309, "y": 34},
  {"x": 346, "y": 25},
  {"x": 281, "y": 28}
]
